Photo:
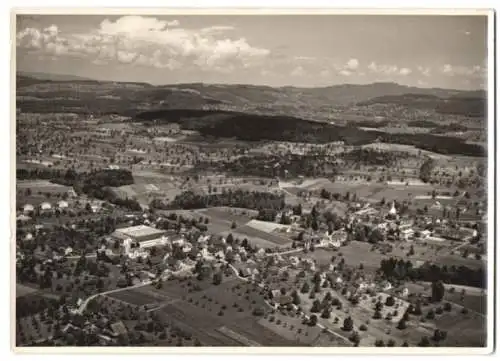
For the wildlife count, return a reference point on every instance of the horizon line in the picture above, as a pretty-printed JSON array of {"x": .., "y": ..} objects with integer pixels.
[{"x": 32, "y": 74}]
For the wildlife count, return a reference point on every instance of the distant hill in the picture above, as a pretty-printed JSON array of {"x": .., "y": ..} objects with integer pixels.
[
  {"x": 36, "y": 92},
  {"x": 51, "y": 76},
  {"x": 468, "y": 103},
  {"x": 344, "y": 94}
]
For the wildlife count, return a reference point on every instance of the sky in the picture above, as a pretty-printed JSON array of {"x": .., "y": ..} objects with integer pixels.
[{"x": 275, "y": 50}]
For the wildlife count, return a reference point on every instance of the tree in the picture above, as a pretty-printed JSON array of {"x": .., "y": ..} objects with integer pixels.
[
  {"x": 305, "y": 288},
  {"x": 377, "y": 315},
  {"x": 312, "y": 294},
  {"x": 316, "y": 306},
  {"x": 424, "y": 342},
  {"x": 439, "y": 335},
  {"x": 391, "y": 343},
  {"x": 217, "y": 278},
  {"x": 426, "y": 170},
  {"x": 379, "y": 343},
  {"x": 390, "y": 301},
  {"x": 348, "y": 324},
  {"x": 233, "y": 225},
  {"x": 88, "y": 207},
  {"x": 447, "y": 307},
  {"x": 376, "y": 236},
  {"x": 325, "y": 313},
  {"x": 296, "y": 298},
  {"x": 405, "y": 344},
  {"x": 401, "y": 324},
  {"x": 430, "y": 315},
  {"x": 313, "y": 320},
  {"x": 417, "y": 310},
  {"x": 438, "y": 291},
  {"x": 354, "y": 338}
]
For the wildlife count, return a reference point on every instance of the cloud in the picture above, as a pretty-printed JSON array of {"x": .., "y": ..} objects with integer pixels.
[
  {"x": 305, "y": 59},
  {"x": 388, "y": 69},
  {"x": 146, "y": 41},
  {"x": 352, "y": 64},
  {"x": 325, "y": 73},
  {"x": 475, "y": 71},
  {"x": 345, "y": 72},
  {"x": 216, "y": 29},
  {"x": 173, "y": 23},
  {"x": 298, "y": 71},
  {"x": 383, "y": 69},
  {"x": 425, "y": 71}
]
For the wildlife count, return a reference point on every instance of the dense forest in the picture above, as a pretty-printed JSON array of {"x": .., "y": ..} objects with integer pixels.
[
  {"x": 269, "y": 166},
  {"x": 253, "y": 127},
  {"x": 394, "y": 269},
  {"x": 371, "y": 157},
  {"x": 95, "y": 184},
  {"x": 238, "y": 199},
  {"x": 471, "y": 105}
]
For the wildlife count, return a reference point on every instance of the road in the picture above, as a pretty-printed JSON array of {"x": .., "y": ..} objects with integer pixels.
[
  {"x": 92, "y": 255},
  {"x": 85, "y": 303},
  {"x": 296, "y": 250}
]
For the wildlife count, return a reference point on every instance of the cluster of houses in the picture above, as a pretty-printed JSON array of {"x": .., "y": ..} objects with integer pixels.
[{"x": 28, "y": 210}]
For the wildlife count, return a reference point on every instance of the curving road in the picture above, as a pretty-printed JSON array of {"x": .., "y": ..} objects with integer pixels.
[{"x": 85, "y": 303}]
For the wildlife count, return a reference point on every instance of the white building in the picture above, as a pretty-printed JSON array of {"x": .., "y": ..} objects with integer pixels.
[
  {"x": 62, "y": 205},
  {"x": 28, "y": 208},
  {"x": 407, "y": 233},
  {"x": 425, "y": 233},
  {"x": 393, "y": 211},
  {"x": 45, "y": 206}
]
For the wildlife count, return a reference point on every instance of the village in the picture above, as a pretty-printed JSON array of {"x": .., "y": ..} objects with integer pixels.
[{"x": 309, "y": 263}]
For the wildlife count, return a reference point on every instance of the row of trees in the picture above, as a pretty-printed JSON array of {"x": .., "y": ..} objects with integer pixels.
[
  {"x": 394, "y": 269},
  {"x": 237, "y": 199}
]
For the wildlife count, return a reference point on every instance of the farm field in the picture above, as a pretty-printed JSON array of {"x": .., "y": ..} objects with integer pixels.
[
  {"x": 354, "y": 254},
  {"x": 276, "y": 239},
  {"x": 470, "y": 327},
  {"x": 458, "y": 260},
  {"x": 362, "y": 314},
  {"x": 473, "y": 300},
  {"x": 222, "y": 315},
  {"x": 292, "y": 328},
  {"x": 32, "y": 329},
  {"x": 240, "y": 216},
  {"x": 137, "y": 298},
  {"x": 221, "y": 219},
  {"x": 267, "y": 227},
  {"x": 259, "y": 238}
]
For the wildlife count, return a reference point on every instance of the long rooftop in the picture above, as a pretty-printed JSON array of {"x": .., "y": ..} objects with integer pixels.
[{"x": 140, "y": 231}]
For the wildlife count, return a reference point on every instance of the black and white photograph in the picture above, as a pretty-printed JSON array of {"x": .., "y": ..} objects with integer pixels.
[{"x": 252, "y": 180}]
